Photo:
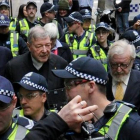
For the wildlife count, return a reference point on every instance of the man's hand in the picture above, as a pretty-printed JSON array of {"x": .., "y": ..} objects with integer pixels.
[
  {"x": 76, "y": 112},
  {"x": 120, "y": 9},
  {"x": 136, "y": 26}
]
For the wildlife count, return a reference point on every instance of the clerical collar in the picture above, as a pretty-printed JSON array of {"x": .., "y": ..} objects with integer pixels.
[{"x": 36, "y": 64}]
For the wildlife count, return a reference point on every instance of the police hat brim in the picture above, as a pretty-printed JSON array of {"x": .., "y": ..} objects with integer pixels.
[
  {"x": 87, "y": 17},
  {"x": 68, "y": 20},
  {"x": 31, "y": 3},
  {"x": 63, "y": 74},
  {"x": 18, "y": 85},
  {"x": 4, "y": 4},
  {"x": 5, "y": 99}
]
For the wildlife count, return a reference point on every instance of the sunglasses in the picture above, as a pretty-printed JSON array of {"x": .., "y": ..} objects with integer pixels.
[
  {"x": 72, "y": 83},
  {"x": 70, "y": 24}
]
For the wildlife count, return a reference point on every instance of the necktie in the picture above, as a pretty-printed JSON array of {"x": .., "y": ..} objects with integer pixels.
[{"x": 119, "y": 92}]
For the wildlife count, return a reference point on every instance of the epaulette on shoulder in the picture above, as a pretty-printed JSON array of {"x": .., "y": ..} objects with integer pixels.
[
  {"x": 127, "y": 104},
  {"x": 25, "y": 122}
]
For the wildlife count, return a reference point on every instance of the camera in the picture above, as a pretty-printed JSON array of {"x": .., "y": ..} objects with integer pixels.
[{"x": 91, "y": 133}]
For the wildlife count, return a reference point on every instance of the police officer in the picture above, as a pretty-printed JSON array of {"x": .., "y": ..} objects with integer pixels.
[
  {"x": 11, "y": 39},
  {"x": 77, "y": 38},
  {"x": 102, "y": 32},
  {"x": 116, "y": 120},
  {"x": 48, "y": 12},
  {"x": 88, "y": 23},
  {"x": 11, "y": 128},
  {"x": 32, "y": 96},
  {"x": 5, "y": 10},
  {"x": 25, "y": 24},
  {"x": 100, "y": 48}
]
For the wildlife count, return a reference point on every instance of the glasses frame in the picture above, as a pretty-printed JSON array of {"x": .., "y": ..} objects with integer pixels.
[
  {"x": 73, "y": 83},
  {"x": 27, "y": 97},
  {"x": 122, "y": 66}
]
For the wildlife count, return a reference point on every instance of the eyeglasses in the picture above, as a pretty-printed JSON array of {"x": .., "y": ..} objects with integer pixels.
[
  {"x": 122, "y": 66},
  {"x": 70, "y": 24},
  {"x": 4, "y": 106},
  {"x": 28, "y": 96},
  {"x": 70, "y": 84}
]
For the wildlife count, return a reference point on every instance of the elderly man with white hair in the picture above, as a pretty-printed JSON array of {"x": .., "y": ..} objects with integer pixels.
[{"x": 58, "y": 48}]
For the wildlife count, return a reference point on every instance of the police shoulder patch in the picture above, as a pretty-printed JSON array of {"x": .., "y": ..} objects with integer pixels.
[{"x": 25, "y": 122}]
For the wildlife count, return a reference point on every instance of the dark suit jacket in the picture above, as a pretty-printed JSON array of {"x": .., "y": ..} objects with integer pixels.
[
  {"x": 21, "y": 65},
  {"x": 132, "y": 93},
  {"x": 5, "y": 56}
]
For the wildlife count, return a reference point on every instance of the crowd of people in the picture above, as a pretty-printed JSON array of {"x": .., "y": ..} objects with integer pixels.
[{"x": 62, "y": 78}]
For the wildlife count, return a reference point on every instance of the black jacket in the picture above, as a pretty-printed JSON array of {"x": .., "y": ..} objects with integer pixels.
[
  {"x": 65, "y": 52},
  {"x": 48, "y": 129},
  {"x": 53, "y": 126},
  {"x": 132, "y": 93},
  {"x": 21, "y": 65},
  {"x": 125, "y": 5},
  {"x": 5, "y": 56}
]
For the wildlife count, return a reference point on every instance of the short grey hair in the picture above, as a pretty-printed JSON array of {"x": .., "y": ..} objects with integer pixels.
[
  {"x": 120, "y": 47},
  {"x": 36, "y": 32},
  {"x": 51, "y": 29}
]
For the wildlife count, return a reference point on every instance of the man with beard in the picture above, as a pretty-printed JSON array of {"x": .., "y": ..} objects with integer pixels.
[
  {"x": 115, "y": 120},
  {"x": 123, "y": 83},
  {"x": 39, "y": 60},
  {"x": 25, "y": 24},
  {"x": 11, "y": 39}
]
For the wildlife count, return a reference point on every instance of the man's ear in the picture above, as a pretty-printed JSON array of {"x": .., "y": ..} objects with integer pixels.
[
  {"x": 44, "y": 97},
  {"x": 91, "y": 86},
  {"x": 28, "y": 45},
  {"x": 14, "y": 101},
  {"x": 108, "y": 34},
  {"x": 46, "y": 14}
]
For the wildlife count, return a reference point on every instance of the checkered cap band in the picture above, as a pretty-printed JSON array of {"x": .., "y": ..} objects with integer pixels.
[
  {"x": 135, "y": 41},
  {"x": 6, "y": 93},
  {"x": 75, "y": 19},
  {"x": 86, "y": 15},
  {"x": 4, "y": 22},
  {"x": 85, "y": 76},
  {"x": 38, "y": 87},
  {"x": 134, "y": 7}
]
